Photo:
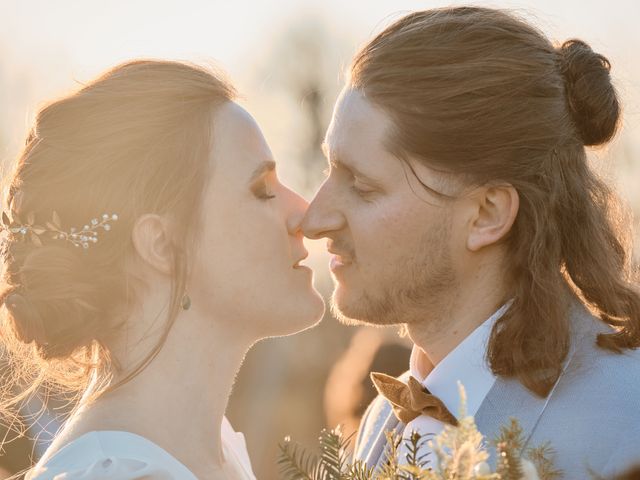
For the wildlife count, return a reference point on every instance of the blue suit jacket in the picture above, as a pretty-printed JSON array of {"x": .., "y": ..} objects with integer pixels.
[{"x": 591, "y": 417}]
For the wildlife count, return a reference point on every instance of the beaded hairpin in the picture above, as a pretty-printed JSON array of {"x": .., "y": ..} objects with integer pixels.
[{"x": 79, "y": 237}]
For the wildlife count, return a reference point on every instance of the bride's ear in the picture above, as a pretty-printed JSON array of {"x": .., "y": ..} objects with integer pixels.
[{"x": 152, "y": 242}]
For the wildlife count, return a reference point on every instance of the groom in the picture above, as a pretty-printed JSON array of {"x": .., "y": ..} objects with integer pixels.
[{"x": 459, "y": 204}]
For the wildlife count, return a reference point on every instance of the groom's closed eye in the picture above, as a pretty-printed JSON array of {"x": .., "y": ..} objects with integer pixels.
[
  {"x": 360, "y": 184},
  {"x": 352, "y": 171},
  {"x": 362, "y": 189}
]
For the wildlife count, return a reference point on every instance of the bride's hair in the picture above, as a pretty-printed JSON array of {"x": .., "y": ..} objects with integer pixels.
[
  {"x": 482, "y": 93},
  {"x": 136, "y": 140}
]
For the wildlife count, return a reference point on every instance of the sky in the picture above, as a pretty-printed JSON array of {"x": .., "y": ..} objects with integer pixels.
[{"x": 47, "y": 47}]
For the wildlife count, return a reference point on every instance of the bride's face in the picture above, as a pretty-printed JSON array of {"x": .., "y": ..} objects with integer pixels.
[{"x": 246, "y": 272}]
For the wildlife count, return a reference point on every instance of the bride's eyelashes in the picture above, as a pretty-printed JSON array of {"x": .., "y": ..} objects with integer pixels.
[{"x": 262, "y": 192}]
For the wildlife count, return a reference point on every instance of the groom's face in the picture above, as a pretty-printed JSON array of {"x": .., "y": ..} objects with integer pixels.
[{"x": 392, "y": 243}]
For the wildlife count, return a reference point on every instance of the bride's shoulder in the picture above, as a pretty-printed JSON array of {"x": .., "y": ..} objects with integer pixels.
[{"x": 109, "y": 455}]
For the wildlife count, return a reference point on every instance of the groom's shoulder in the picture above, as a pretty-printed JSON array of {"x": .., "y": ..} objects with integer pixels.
[
  {"x": 603, "y": 374},
  {"x": 598, "y": 382},
  {"x": 596, "y": 368},
  {"x": 598, "y": 397}
]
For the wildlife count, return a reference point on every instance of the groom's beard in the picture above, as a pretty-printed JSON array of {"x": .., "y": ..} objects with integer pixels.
[{"x": 416, "y": 290}]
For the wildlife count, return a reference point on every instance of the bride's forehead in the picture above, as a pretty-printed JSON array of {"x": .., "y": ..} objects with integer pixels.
[
  {"x": 237, "y": 141},
  {"x": 231, "y": 119}
]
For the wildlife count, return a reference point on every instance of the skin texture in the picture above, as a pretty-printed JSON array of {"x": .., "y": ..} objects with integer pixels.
[
  {"x": 403, "y": 254},
  {"x": 244, "y": 284}
]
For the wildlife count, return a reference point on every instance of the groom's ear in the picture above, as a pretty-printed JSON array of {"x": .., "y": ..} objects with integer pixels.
[{"x": 495, "y": 210}]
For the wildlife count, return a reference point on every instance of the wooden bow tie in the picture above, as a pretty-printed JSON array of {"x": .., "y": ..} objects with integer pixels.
[{"x": 412, "y": 399}]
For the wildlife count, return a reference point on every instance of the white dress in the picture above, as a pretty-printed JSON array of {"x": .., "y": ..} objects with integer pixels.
[{"x": 115, "y": 454}]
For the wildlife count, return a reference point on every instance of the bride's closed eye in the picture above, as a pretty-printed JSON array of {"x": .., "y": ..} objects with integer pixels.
[
  {"x": 262, "y": 191},
  {"x": 259, "y": 180}
]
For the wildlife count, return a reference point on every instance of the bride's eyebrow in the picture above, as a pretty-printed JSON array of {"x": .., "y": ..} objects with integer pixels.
[{"x": 264, "y": 167}]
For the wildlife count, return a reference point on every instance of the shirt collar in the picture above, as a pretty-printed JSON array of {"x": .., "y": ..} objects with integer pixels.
[{"x": 466, "y": 364}]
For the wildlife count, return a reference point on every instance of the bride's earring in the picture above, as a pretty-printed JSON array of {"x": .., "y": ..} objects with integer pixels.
[{"x": 186, "y": 302}]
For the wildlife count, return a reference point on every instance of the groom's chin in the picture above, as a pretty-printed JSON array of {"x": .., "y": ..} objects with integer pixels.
[
  {"x": 344, "y": 319},
  {"x": 352, "y": 311}
]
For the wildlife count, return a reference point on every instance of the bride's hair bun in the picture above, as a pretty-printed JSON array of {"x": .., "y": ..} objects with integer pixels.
[
  {"x": 50, "y": 298},
  {"x": 29, "y": 323},
  {"x": 591, "y": 98}
]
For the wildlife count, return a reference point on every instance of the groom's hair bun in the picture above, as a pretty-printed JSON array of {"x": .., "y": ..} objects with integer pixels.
[{"x": 591, "y": 97}]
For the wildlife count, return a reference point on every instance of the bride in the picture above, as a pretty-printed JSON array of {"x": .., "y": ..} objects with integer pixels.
[{"x": 149, "y": 244}]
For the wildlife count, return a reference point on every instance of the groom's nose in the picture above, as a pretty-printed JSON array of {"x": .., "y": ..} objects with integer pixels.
[
  {"x": 322, "y": 216},
  {"x": 297, "y": 207}
]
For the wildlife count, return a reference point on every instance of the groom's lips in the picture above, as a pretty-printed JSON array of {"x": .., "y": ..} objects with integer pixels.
[
  {"x": 341, "y": 257},
  {"x": 339, "y": 260}
]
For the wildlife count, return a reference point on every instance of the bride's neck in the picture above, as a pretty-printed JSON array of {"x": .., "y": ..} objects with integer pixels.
[{"x": 178, "y": 401}]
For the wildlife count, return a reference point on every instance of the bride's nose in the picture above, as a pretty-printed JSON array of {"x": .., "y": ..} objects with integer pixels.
[{"x": 297, "y": 207}]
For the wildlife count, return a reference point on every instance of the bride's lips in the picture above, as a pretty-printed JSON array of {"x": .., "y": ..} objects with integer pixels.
[{"x": 298, "y": 266}]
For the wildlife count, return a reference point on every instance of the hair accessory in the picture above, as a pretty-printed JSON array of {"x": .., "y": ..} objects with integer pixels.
[{"x": 82, "y": 237}]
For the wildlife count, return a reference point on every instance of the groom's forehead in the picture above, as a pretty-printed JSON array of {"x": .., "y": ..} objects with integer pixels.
[
  {"x": 366, "y": 160},
  {"x": 357, "y": 125},
  {"x": 354, "y": 111}
]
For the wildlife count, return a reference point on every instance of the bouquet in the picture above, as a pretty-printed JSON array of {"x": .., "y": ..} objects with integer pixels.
[{"x": 460, "y": 454}]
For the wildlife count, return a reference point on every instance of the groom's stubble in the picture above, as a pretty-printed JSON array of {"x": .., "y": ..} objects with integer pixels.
[{"x": 414, "y": 290}]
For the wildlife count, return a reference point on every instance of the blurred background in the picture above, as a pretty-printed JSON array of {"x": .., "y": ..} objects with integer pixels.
[{"x": 287, "y": 58}]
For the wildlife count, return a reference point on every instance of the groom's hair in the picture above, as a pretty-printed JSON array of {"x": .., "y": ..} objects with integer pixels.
[{"x": 481, "y": 93}]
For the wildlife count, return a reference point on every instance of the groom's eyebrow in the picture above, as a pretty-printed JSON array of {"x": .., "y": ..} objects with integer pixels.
[
  {"x": 334, "y": 160},
  {"x": 264, "y": 167}
]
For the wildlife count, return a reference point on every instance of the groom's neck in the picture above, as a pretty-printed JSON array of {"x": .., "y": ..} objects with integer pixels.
[{"x": 442, "y": 329}]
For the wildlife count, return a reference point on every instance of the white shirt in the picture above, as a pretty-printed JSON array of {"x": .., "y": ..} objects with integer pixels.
[
  {"x": 466, "y": 364},
  {"x": 115, "y": 454}
]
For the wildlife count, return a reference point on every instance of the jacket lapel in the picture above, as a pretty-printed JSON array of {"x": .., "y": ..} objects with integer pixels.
[
  {"x": 376, "y": 454},
  {"x": 506, "y": 399}
]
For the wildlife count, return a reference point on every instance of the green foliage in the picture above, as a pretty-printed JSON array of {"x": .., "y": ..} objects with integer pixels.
[
  {"x": 359, "y": 470},
  {"x": 415, "y": 444},
  {"x": 541, "y": 458},
  {"x": 458, "y": 449},
  {"x": 333, "y": 453},
  {"x": 389, "y": 469},
  {"x": 508, "y": 446},
  {"x": 460, "y": 453},
  {"x": 296, "y": 463}
]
